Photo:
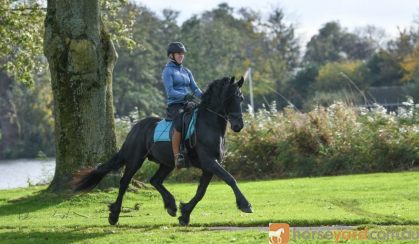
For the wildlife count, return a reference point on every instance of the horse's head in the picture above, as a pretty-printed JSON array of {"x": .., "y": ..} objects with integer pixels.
[
  {"x": 232, "y": 104},
  {"x": 225, "y": 98}
]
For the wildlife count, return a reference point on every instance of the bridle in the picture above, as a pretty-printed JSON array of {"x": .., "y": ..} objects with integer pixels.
[{"x": 227, "y": 116}]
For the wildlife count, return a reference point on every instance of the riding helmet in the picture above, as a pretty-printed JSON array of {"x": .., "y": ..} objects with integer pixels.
[{"x": 176, "y": 47}]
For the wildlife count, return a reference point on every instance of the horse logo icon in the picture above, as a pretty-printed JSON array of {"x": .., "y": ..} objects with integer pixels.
[{"x": 279, "y": 233}]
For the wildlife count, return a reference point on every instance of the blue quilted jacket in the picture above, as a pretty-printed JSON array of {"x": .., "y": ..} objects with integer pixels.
[{"x": 178, "y": 82}]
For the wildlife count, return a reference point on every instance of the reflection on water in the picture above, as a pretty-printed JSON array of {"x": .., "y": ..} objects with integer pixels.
[{"x": 25, "y": 172}]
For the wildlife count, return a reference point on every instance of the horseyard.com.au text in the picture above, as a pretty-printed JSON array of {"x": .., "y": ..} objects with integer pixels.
[{"x": 282, "y": 233}]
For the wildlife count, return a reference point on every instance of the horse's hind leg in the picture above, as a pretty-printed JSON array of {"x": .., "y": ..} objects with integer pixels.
[
  {"x": 115, "y": 208},
  {"x": 187, "y": 208},
  {"x": 157, "y": 182},
  {"x": 219, "y": 171}
]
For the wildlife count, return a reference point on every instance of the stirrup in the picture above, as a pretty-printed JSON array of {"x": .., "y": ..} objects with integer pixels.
[{"x": 179, "y": 161}]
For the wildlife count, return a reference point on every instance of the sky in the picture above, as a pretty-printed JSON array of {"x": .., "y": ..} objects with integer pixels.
[{"x": 310, "y": 15}]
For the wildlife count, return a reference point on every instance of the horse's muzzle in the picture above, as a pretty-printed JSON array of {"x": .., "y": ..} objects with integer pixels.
[
  {"x": 237, "y": 127},
  {"x": 236, "y": 121}
]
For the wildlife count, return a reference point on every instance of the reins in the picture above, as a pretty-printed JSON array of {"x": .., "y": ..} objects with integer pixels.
[{"x": 218, "y": 114}]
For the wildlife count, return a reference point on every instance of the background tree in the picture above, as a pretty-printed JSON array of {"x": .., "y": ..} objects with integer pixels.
[
  {"x": 9, "y": 125},
  {"x": 282, "y": 52},
  {"x": 376, "y": 36},
  {"x": 335, "y": 44},
  {"x": 300, "y": 87},
  {"x": 223, "y": 42},
  {"x": 137, "y": 75},
  {"x": 214, "y": 42},
  {"x": 34, "y": 114},
  {"x": 20, "y": 47},
  {"x": 338, "y": 81},
  {"x": 410, "y": 65},
  {"x": 383, "y": 69},
  {"x": 404, "y": 44}
]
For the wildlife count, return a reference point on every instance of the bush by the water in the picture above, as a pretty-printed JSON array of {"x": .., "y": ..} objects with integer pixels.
[{"x": 338, "y": 139}]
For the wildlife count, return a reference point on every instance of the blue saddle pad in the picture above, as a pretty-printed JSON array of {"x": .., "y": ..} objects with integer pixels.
[{"x": 163, "y": 128}]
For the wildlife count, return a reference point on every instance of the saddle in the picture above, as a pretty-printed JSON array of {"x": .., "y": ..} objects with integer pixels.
[{"x": 164, "y": 128}]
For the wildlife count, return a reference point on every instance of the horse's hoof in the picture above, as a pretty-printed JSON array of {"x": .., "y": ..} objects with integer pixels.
[
  {"x": 113, "y": 219},
  {"x": 246, "y": 209},
  {"x": 171, "y": 212},
  {"x": 183, "y": 221}
]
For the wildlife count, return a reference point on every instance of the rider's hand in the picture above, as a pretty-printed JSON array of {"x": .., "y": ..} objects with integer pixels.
[
  {"x": 189, "y": 97},
  {"x": 190, "y": 105}
]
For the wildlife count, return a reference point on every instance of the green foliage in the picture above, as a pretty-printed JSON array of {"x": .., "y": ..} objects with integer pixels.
[
  {"x": 383, "y": 69},
  {"x": 349, "y": 63},
  {"x": 339, "y": 75},
  {"x": 410, "y": 65},
  {"x": 333, "y": 43},
  {"x": 299, "y": 87},
  {"x": 119, "y": 28},
  {"x": 404, "y": 44},
  {"x": 221, "y": 44},
  {"x": 21, "y": 25},
  {"x": 137, "y": 75},
  {"x": 334, "y": 81},
  {"x": 122, "y": 127},
  {"x": 34, "y": 115},
  {"x": 327, "y": 98},
  {"x": 326, "y": 141}
]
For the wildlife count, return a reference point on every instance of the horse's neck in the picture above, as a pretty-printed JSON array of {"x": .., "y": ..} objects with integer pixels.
[{"x": 215, "y": 122}]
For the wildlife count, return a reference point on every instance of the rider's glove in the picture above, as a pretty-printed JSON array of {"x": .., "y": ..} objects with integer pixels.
[{"x": 189, "y": 97}]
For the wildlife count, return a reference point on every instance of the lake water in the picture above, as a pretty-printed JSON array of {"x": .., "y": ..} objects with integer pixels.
[{"x": 25, "y": 172}]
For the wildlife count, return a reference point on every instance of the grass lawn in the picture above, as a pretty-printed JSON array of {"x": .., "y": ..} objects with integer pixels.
[{"x": 373, "y": 200}]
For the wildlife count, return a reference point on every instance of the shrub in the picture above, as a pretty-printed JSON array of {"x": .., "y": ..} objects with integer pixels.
[{"x": 339, "y": 139}]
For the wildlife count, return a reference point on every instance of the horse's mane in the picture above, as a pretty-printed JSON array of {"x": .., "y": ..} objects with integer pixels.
[{"x": 213, "y": 93}]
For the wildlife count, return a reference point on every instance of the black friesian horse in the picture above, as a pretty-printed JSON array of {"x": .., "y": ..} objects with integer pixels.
[{"x": 220, "y": 103}]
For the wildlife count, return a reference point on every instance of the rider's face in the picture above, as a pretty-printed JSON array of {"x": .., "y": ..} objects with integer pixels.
[{"x": 179, "y": 57}]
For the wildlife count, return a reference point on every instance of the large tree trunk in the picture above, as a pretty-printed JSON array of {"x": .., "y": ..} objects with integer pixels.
[
  {"x": 8, "y": 122},
  {"x": 81, "y": 58}
]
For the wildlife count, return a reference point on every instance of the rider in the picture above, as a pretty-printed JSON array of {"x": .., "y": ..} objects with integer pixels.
[{"x": 179, "y": 84}]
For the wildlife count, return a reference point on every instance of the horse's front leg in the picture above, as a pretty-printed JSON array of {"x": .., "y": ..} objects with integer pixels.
[
  {"x": 186, "y": 208},
  {"x": 219, "y": 171}
]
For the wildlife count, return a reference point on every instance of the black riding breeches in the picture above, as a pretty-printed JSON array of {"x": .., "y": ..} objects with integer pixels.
[{"x": 173, "y": 112}]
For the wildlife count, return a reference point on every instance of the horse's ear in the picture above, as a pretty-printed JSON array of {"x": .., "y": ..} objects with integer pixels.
[
  {"x": 240, "y": 82},
  {"x": 232, "y": 80}
]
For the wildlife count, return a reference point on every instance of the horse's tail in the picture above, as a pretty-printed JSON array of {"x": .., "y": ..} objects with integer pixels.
[{"x": 87, "y": 179}]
